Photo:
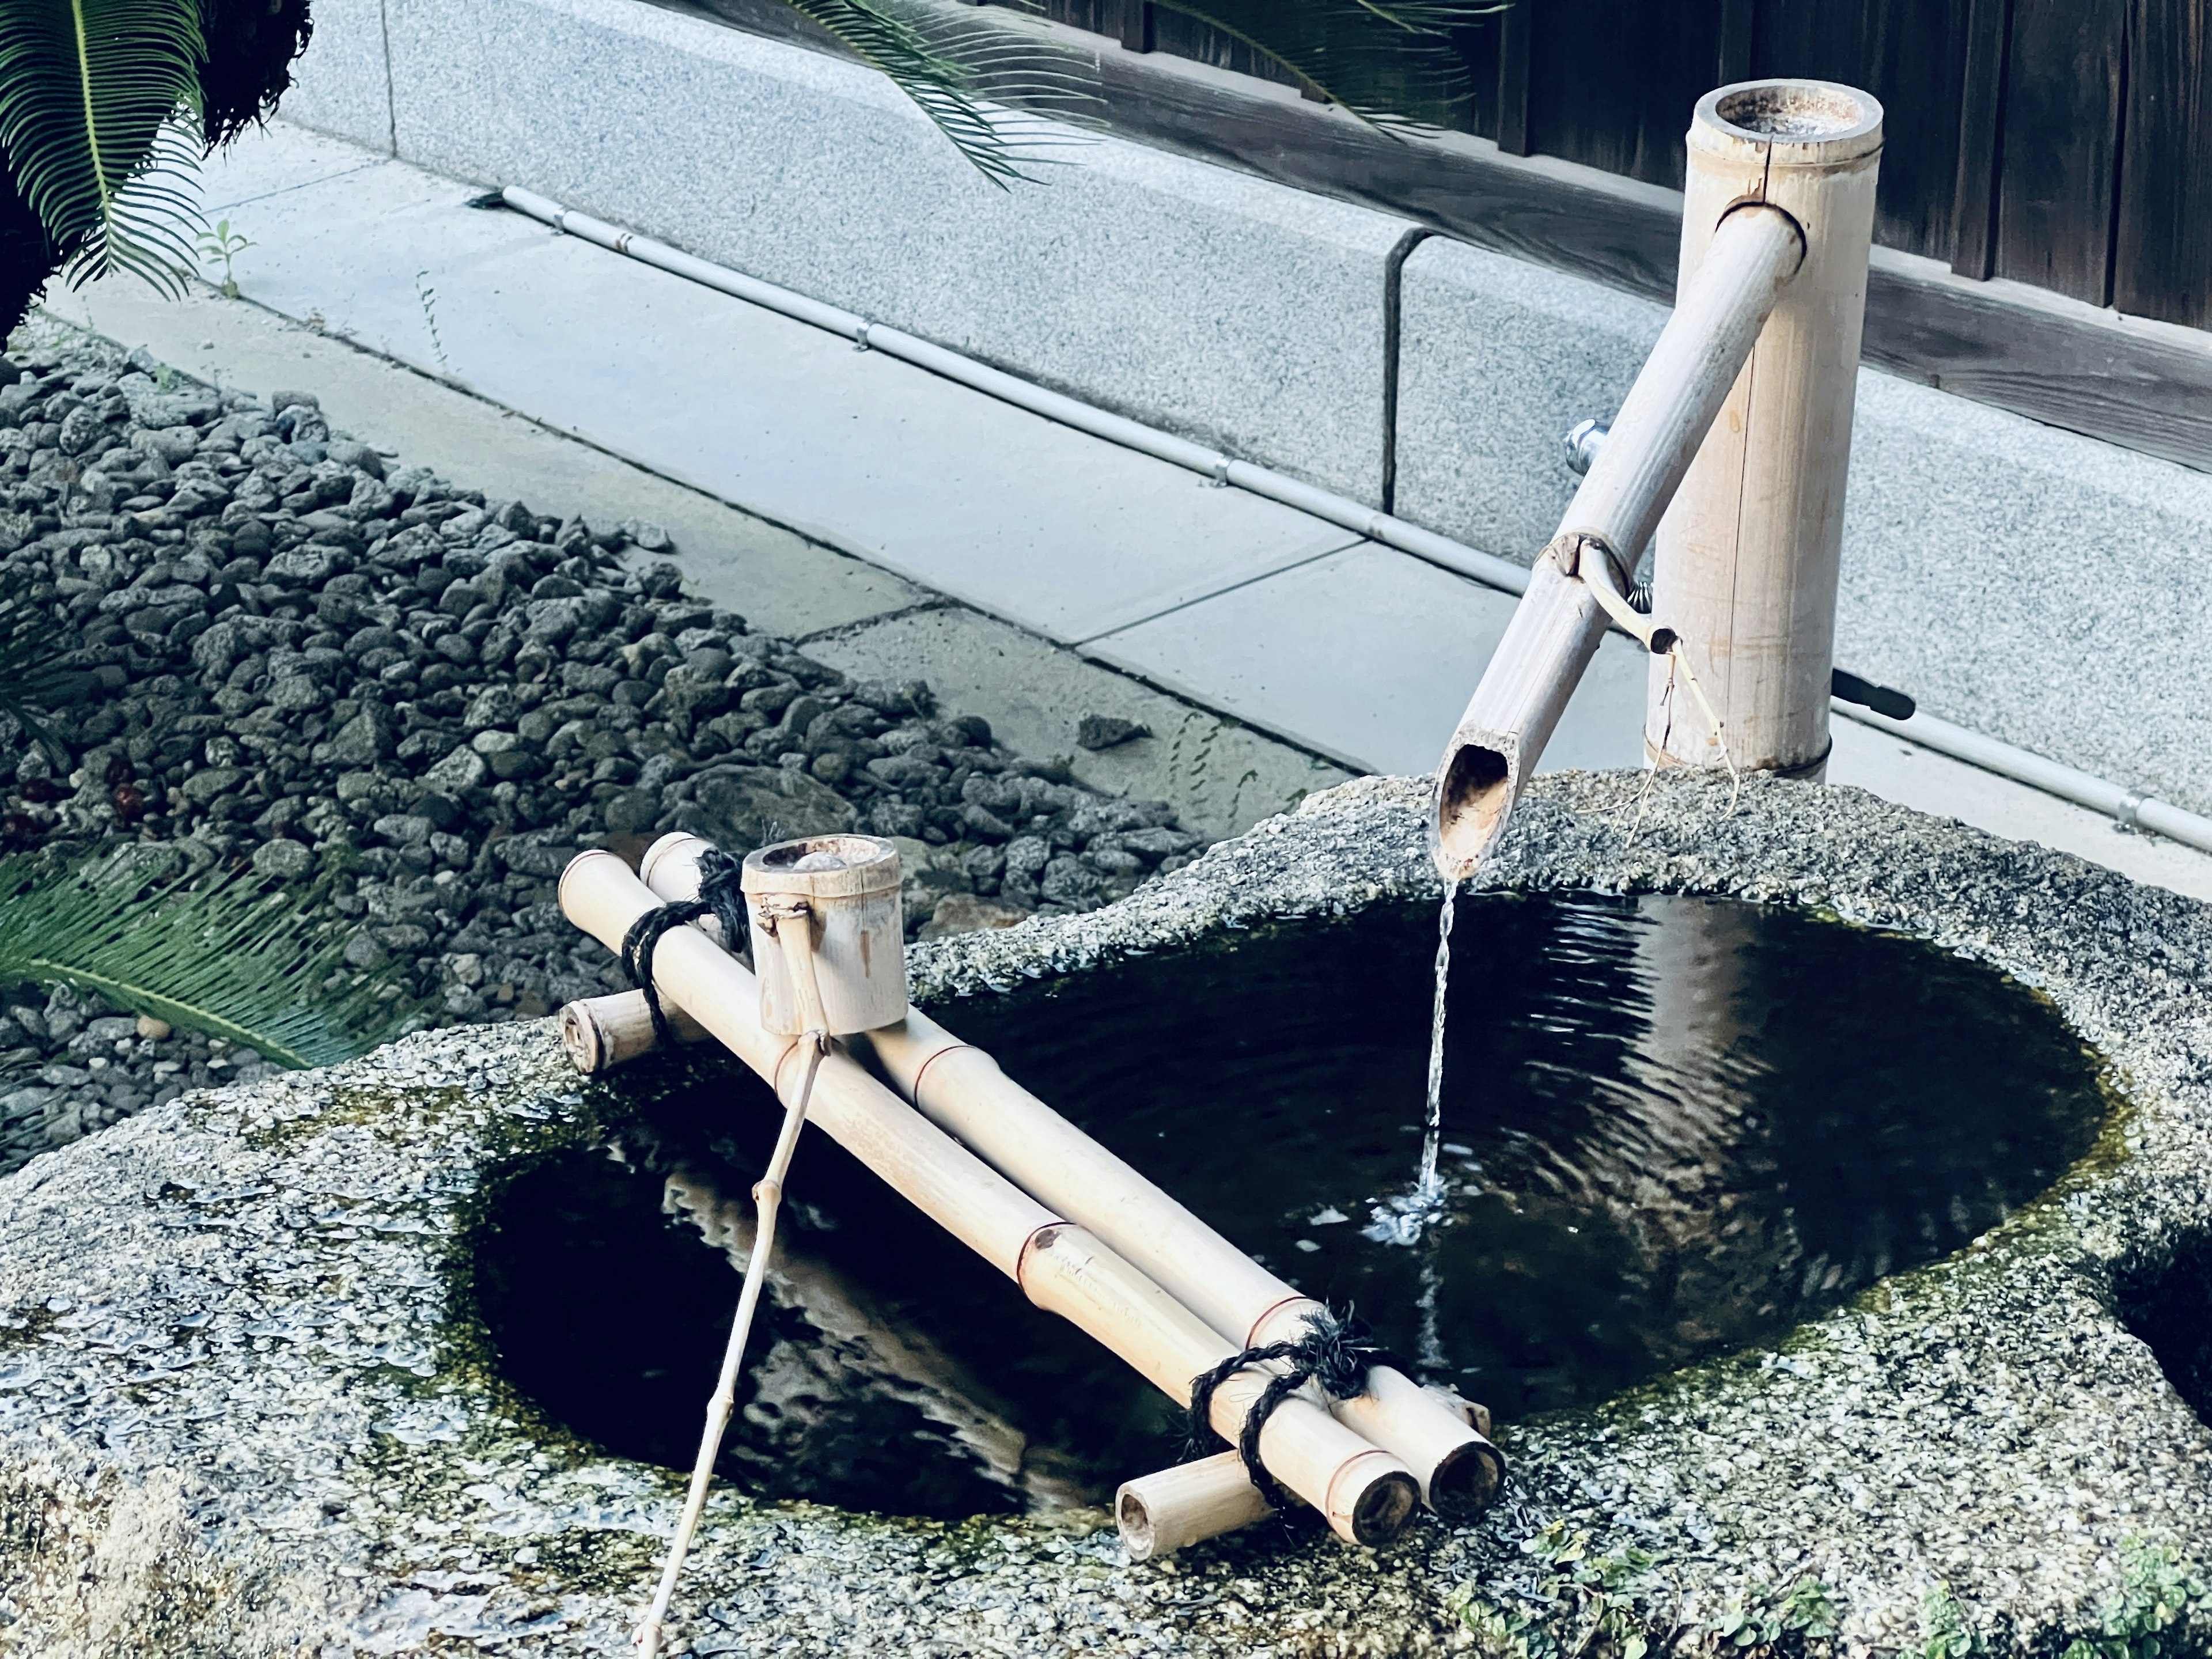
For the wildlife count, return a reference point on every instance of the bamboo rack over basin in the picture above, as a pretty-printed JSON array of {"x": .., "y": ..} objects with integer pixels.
[
  {"x": 1367, "y": 1495},
  {"x": 962, "y": 1090}
]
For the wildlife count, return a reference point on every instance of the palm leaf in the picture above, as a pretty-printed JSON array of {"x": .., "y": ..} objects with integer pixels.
[
  {"x": 1390, "y": 62},
  {"x": 985, "y": 86},
  {"x": 90, "y": 95},
  {"x": 224, "y": 958}
]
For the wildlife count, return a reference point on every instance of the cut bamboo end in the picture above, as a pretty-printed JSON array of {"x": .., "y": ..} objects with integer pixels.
[
  {"x": 1475, "y": 791},
  {"x": 601, "y": 1033},
  {"x": 1371, "y": 1499},
  {"x": 1158, "y": 1514}
]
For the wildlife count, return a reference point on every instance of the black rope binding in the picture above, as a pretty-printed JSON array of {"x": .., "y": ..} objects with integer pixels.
[
  {"x": 719, "y": 897},
  {"x": 1334, "y": 1352}
]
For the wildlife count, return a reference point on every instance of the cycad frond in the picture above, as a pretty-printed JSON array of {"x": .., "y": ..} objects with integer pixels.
[
  {"x": 90, "y": 93},
  {"x": 1391, "y": 61},
  {"x": 252, "y": 967},
  {"x": 250, "y": 45},
  {"x": 983, "y": 85}
]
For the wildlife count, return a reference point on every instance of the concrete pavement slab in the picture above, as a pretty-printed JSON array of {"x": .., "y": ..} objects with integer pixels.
[
  {"x": 270, "y": 159},
  {"x": 1221, "y": 776},
  {"x": 1369, "y": 657}
]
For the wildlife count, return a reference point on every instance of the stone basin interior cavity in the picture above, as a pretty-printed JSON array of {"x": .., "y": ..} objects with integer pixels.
[{"x": 1674, "y": 1125}]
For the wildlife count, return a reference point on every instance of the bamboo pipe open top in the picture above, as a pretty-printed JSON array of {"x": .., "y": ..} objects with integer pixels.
[
  {"x": 1367, "y": 1495},
  {"x": 961, "y": 1089}
]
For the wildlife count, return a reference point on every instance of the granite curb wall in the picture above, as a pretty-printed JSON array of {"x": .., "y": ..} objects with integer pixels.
[
  {"x": 2025, "y": 582},
  {"x": 246, "y": 1408}
]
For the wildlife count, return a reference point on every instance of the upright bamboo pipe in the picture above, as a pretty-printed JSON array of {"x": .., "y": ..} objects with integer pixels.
[
  {"x": 962, "y": 1090},
  {"x": 1749, "y": 553},
  {"x": 1367, "y": 1495},
  {"x": 1755, "y": 251}
]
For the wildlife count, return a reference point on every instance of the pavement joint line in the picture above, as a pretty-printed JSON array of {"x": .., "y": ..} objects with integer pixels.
[
  {"x": 1354, "y": 540},
  {"x": 947, "y": 606},
  {"x": 304, "y": 184},
  {"x": 1305, "y": 746},
  {"x": 847, "y": 630}
]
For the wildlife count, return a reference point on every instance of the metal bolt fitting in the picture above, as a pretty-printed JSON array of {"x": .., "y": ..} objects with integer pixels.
[{"x": 1583, "y": 440}]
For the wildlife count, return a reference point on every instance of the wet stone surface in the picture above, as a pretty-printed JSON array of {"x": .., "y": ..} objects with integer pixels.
[{"x": 246, "y": 1406}]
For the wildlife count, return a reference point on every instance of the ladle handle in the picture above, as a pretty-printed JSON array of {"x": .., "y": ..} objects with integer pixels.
[{"x": 792, "y": 920}]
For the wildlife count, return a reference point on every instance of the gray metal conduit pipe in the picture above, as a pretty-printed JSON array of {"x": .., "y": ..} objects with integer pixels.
[{"x": 2130, "y": 809}]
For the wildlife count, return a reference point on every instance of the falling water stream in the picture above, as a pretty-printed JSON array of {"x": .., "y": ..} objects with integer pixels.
[
  {"x": 1403, "y": 1219},
  {"x": 1429, "y": 1188}
]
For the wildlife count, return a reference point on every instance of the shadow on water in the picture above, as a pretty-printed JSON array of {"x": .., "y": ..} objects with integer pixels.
[{"x": 1671, "y": 1127}]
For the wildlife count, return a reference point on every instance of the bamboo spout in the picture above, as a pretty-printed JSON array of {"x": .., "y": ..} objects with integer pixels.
[
  {"x": 962, "y": 1090},
  {"x": 1555, "y": 630},
  {"x": 1367, "y": 1495}
]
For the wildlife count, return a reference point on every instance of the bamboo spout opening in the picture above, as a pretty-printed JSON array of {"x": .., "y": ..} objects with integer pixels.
[
  {"x": 1466, "y": 1482},
  {"x": 1474, "y": 794},
  {"x": 1384, "y": 1506},
  {"x": 1797, "y": 112},
  {"x": 1135, "y": 1522}
]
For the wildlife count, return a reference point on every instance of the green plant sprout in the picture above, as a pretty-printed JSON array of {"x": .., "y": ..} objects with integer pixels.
[
  {"x": 1588, "y": 1603},
  {"x": 1944, "y": 1631},
  {"x": 224, "y": 245},
  {"x": 2158, "y": 1590},
  {"x": 1600, "y": 1605},
  {"x": 1762, "y": 1620}
]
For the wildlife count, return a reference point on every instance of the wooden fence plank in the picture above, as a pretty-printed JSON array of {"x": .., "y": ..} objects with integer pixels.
[
  {"x": 1981, "y": 119},
  {"x": 1910, "y": 54},
  {"x": 2163, "y": 263},
  {"x": 1513, "y": 27},
  {"x": 2061, "y": 131},
  {"x": 1609, "y": 82},
  {"x": 1733, "y": 57}
]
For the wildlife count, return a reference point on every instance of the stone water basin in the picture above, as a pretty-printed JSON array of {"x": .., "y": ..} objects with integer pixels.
[{"x": 265, "y": 1385}]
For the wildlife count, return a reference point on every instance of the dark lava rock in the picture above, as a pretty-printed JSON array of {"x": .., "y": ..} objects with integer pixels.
[{"x": 1107, "y": 731}]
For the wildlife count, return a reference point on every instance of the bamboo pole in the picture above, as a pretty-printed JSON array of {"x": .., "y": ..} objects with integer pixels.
[
  {"x": 1753, "y": 254},
  {"x": 601, "y": 1033},
  {"x": 1366, "y": 1495},
  {"x": 1749, "y": 553},
  {"x": 1161, "y": 1513},
  {"x": 962, "y": 1090}
]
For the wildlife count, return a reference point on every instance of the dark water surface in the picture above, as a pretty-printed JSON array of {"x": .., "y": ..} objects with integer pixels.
[{"x": 1671, "y": 1127}]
